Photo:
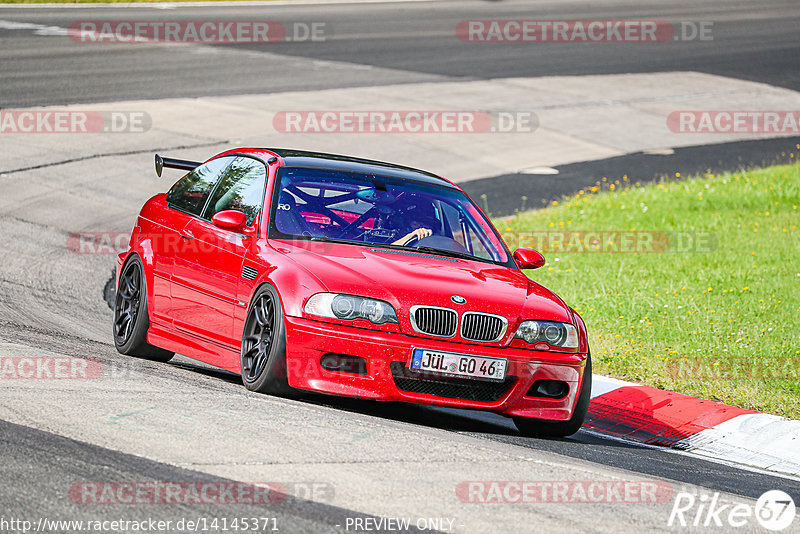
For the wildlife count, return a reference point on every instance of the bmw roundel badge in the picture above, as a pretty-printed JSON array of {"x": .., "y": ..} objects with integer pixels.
[{"x": 458, "y": 299}]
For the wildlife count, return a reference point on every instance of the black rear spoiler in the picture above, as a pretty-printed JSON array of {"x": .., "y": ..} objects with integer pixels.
[{"x": 173, "y": 163}]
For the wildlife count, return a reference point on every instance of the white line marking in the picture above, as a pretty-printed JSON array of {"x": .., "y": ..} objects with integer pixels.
[
  {"x": 711, "y": 459},
  {"x": 539, "y": 170},
  {"x": 38, "y": 29},
  {"x": 169, "y": 5}
]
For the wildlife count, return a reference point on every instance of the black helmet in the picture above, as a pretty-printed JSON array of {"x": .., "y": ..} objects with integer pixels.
[{"x": 413, "y": 211}]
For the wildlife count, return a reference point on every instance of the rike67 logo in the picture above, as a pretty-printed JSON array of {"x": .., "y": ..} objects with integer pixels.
[{"x": 774, "y": 510}]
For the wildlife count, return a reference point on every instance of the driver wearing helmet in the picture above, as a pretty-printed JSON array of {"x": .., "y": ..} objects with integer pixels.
[{"x": 417, "y": 219}]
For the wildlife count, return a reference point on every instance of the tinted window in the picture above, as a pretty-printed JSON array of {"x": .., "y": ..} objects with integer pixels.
[
  {"x": 367, "y": 209},
  {"x": 241, "y": 188},
  {"x": 191, "y": 191}
]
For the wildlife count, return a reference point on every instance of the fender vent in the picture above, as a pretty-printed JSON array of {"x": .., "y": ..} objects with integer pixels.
[{"x": 249, "y": 273}]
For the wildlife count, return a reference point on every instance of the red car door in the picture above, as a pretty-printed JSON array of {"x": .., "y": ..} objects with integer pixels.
[
  {"x": 164, "y": 237},
  {"x": 184, "y": 201},
  {"x": 208, "y": 267}
]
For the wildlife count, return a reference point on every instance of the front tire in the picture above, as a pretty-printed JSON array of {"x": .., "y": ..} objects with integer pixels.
[
  {"x": 131, "y": 320},
  {"x": 531, "y": 427},
  {"x": 263, "y": 350}
]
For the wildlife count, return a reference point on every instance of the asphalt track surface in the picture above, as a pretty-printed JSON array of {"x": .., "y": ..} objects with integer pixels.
[
  {"x": 50, "y": 303},
  {"x": 45, "y": 463}
]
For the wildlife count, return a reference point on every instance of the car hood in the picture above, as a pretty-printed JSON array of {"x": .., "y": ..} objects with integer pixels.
[{"x": 406, "y": 278}]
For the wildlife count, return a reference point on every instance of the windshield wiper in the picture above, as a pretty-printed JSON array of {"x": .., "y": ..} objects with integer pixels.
[
  {"x": 331, "y": 240},
  {"x": 444, "y": 252}
]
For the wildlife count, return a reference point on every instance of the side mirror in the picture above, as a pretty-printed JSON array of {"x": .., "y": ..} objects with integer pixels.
[
  {"x": 528, "y": 259},
  {"x": 229, "y": 219}
]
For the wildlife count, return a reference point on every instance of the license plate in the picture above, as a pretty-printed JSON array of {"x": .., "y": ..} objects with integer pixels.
[{"x": 453, "y": 364}]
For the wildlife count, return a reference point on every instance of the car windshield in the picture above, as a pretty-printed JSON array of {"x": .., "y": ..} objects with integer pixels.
[{"x": 369, "y": 209}]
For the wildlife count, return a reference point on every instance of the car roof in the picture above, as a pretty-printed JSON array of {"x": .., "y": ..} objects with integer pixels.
[{"x": 322, "y": 160}]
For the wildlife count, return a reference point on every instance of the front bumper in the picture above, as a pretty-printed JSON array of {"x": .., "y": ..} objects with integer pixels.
[{"x": 307, "y": 341}]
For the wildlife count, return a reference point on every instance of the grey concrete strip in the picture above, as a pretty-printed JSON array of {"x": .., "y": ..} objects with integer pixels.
[{"x": 579, "y": 119}]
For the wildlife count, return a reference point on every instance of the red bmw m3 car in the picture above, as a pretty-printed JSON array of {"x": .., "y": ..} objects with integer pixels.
[{"x": 346, "y": 276}]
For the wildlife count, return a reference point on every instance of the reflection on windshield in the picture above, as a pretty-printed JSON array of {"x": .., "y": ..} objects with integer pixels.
[{"x": 379, "y": 210}]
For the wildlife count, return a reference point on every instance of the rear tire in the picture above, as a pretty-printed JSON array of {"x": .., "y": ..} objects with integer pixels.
[
  {"x": 263, "y": 349},
  {"x": 131, "y": 319},
  {"x": 531, "y": 427}
]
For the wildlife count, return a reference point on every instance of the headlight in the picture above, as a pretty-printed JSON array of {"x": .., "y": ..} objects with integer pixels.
[
  {"x": 555, "y": 334},
  {"x": 350, "y": 307}
]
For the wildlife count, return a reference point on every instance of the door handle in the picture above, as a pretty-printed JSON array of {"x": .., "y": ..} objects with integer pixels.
[{"x": 186, "y": 234}]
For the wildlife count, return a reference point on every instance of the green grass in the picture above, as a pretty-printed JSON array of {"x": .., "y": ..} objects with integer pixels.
[{"x": 719, "y": 320}]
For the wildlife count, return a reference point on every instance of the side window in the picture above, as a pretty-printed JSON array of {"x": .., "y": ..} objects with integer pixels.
[
  {"x": 241, "y": 188},
  {"x": 189, "y": 194}
]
